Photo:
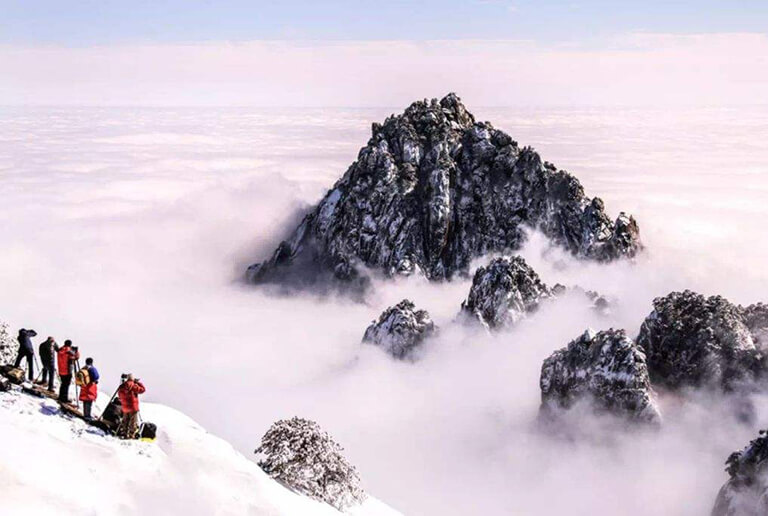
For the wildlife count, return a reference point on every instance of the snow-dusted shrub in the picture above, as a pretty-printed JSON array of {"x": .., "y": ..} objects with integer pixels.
[
  {"x": 8, "y": 345},
  {"x": 300, "y": 455}
]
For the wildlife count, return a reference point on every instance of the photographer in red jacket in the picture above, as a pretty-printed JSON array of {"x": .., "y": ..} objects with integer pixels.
[
  {"x": 66, "y": 356},
  {"x": 128, "y": 392}
]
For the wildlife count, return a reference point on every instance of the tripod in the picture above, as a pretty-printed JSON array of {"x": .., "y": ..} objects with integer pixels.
[{"x": 77, "y": 387}]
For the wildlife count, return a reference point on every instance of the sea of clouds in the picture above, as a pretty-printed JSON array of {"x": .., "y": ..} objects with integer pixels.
[{"x": 128, "y": 231}]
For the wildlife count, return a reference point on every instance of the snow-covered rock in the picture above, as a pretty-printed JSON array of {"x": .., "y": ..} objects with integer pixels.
[
  {"x": 606, "y": 370},
  {"x": 696, "y": 341},
  {"x": 746, "y": 492},
  {"x": 598, "y": 302},
  {"x": 62, "y": 466},
  {"x": 9, "y": 346},
  {"x": 503, "y": 292},
  {"x": 432, "y": 190},
  {"x": 400, "y": 329},
  {"x": 299, "y": 454}
]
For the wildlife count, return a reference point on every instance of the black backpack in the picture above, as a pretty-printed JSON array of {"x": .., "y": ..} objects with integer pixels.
[
  {"x": 148, "y": 431},
  {"x": 113, "y": 414}
]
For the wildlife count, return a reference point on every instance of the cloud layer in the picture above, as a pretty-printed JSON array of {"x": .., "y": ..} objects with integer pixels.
[{"x": 633, "y": 69}]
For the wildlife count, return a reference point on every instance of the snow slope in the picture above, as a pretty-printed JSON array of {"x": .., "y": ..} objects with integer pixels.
[{"x": 50, "y": 464}]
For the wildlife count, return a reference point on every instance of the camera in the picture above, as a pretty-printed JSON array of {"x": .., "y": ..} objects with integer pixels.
[{"x": 75, "y": 348}]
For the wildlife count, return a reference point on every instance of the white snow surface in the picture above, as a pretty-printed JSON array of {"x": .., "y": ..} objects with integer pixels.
[{"x": 52, "y": 464}]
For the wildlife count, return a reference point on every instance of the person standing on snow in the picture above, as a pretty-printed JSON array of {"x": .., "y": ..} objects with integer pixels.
[
  {"x": 26, "y": 351},
  {"x": 66, "y": 356},
  {"x": 47, "y": 352},
  {"x": 89, "y": 390},
  {"x": 128, "y": 393}
]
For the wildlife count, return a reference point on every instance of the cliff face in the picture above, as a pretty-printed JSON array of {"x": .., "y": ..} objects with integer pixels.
[{"x": 434, "y": 189}]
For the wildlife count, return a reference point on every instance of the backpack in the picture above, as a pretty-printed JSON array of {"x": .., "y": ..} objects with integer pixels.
[
  {"x": 15, "y": 375},
  {"x": 83, "y": 377},
  {"x": 148, "y": 431}
]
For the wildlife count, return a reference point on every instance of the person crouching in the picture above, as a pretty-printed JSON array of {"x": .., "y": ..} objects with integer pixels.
[
  {"x": 89, "y": 389},
  {"x": 128, "y": 392}
]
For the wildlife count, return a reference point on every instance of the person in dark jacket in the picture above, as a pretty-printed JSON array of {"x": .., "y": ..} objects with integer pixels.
[
  {"x": 90, "y": 390},
  {"x": 66, "y": 356},
  {"x": 47, "y": 352},
  {"x": 26, "y": 351},
  {"x": 128, "y": 392}
]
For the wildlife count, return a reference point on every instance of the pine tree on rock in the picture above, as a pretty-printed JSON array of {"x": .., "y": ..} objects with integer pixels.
[
  {"x": 300, "y": 455},
  {"x": 8, "y": 345}
]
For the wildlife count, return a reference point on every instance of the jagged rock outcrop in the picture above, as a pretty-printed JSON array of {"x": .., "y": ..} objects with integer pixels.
[
  {"x": 606, "y": 370},
  {"x": 503, "y": 292},
  {"x": 696, "y": 341},
  {"x": 400, "y": 329},
  {"x": 746, "y": 492},
  {"x": 9, "y": 346},
  {"x": 434, "y": 189}
]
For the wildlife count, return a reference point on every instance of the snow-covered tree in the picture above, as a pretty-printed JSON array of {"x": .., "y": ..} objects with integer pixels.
[
  {"x": 299, "y": 454},
  {"x": 8, "y": 345}
]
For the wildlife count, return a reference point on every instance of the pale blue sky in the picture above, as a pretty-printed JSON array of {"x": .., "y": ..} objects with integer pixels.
[{"x": 97, "y": 22}]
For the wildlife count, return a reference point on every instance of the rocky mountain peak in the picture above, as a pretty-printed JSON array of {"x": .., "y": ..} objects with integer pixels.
[
  {"x": 606, "y": 370},
  {"x": 503, "y": 292},
  {"x": 434, "y": 189},
  {"x": 400, "y": 330},
  {"x": 696, "y": 341}
]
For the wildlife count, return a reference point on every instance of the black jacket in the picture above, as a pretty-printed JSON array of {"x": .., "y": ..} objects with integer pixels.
[
  {"x": 47, "y": 353},
  {"x": 25, "y": 341}
]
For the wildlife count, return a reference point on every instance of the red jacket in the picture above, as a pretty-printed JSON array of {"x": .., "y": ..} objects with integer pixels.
[
  {"x": 89, "y": 392},
  {"x": 129, "y": 395},
  {"x": 64, "y": 356}
]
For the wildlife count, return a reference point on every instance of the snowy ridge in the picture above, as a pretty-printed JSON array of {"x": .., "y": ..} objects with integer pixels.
[{"x": 62, "y": 466}]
